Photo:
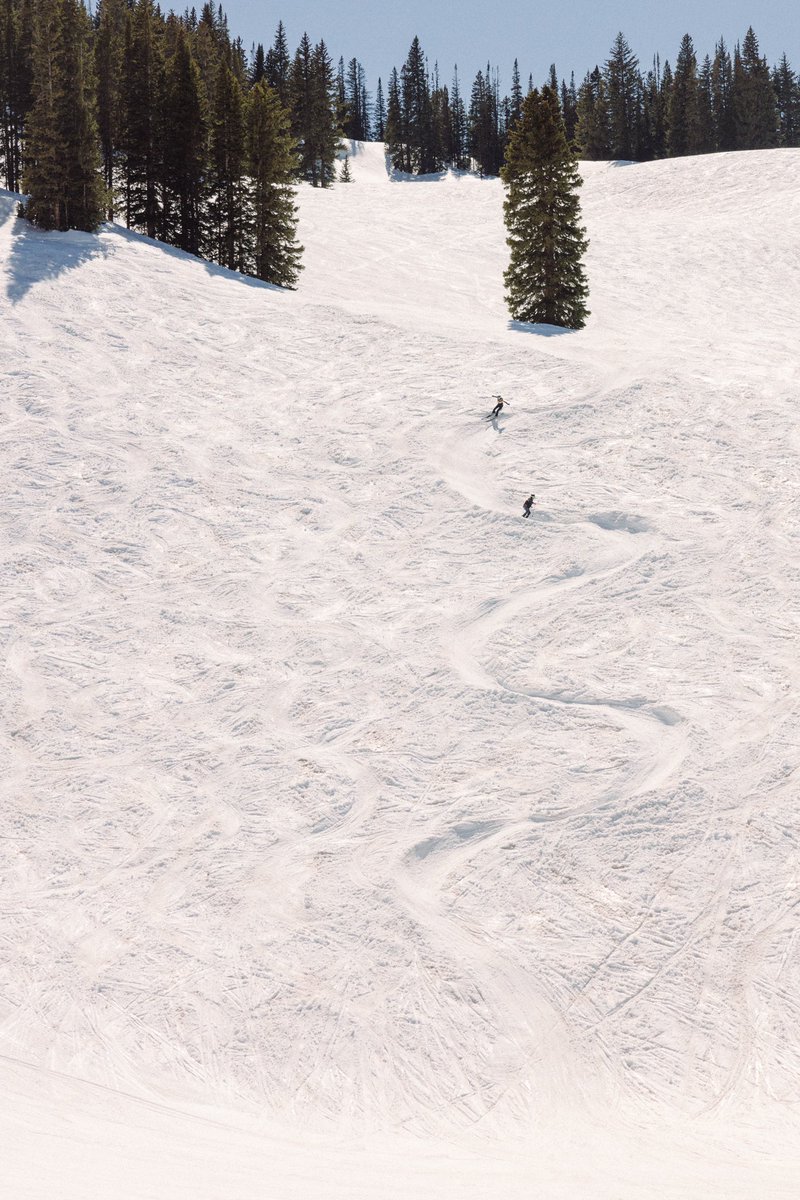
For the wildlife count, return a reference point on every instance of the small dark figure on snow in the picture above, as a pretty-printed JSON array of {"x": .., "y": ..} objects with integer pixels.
[
  {"x": 498, "y": 407},
  {"x": 528, "y": 505}
]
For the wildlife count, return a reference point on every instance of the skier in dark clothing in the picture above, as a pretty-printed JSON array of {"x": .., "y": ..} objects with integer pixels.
[
  {"x": 528, "y": 505},
  {"x": 498, "y": 407}
]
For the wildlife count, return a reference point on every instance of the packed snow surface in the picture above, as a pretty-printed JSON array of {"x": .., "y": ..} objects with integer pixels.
[{"x": 360, "y": 837}]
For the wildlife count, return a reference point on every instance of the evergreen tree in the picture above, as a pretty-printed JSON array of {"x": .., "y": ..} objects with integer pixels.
[
  {"x": 271, "y": 162},
  {"x": 722, "y": 102},
  {"x": 654, "y": 111},
  {"x": 683, "y": 113},
  {"x": 442, "y": 124},
  {"x": 754, "y": 101},
  {"x": 341, "y": 94},
  {"x": 62, "y": 154},
  {"x": 484, "y": 132},
  {"x": 569, "y": 107},
  {"x": 380, "y": 113},
  {"x": 312, "y": 88},
  {"x": 184, "y": 150},
  {"x": 356, "y": 122},
  {"x": 109, "y": 56},
  {"x": 228, "y": 208},
  {"x": 623, "y": 85},
  {"x": 787, "y": 94},
  {"x": 258, "y": 70},
  {"x": 707, "y": 140},
  {"x": 545, "y": 280},
  {"x": 397, "y": 147},
  {"x": 344, "y": 174},
  {"x": 16, "y": 82},
  {"x": 279, "y": 66},
  {"x": 141, "y": 135},
  {"x": 592, "y": 133},
  {"x": 415, "y": 98},
  {"x": 516, "y": 97},
  {"x": 326, "y": 132},
  {"x": 458, "y": 154}
]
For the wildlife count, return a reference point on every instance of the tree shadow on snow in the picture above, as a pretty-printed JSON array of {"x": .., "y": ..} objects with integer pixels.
[
  {"x": 38, "y": 255},
  {"x": 211, "y": 268},
  {"x": 540, "y": 330}
]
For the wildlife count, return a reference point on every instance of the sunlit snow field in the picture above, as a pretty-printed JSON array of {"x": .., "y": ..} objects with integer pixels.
[{"x": 361, "y": 838}]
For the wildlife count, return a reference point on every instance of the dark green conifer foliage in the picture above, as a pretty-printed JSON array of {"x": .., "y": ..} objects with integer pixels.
[
  {"x": 787, "y": 93},
  {"x": 707, "y": 139},
  {"x": 654, "y": 105},
  {"x": 380, "y": 113},
  {"x": 279, "y": 66},
  {"x": 258, "y": 70},
  {"x": 272, "y": 163},
  {"x": 141, "y": 136},
  {"x": 356, "y": 121},
  {"x": 458, "y": 154},
  {"x": 315, "y": 116},
  {"x": 184, "y": 150},
  {"x": 415, "y": 97},
  {"x": 345, "y": 175},
  {"x": 755, "y": 104},
  {"x": 515, "y": 111},
  {"x": 623, "y": 85},
  {"x": 545, "y": 280},
  {"x": 228, "y": 215},
  {"x": 62, "y": 173},
  {"x": 109, "y": 50},
  {"x": 16, "y": 79},
  {"x": 683, "y": 112},
  {"x": 722, "y": 102},
  {"x": 326, "y": 131},
  {"x": 484, "y": 129},
  {"x": 569, "y": 107},
  {"x": 592, "y": 132},
  {"x": 397, "y": 147}
]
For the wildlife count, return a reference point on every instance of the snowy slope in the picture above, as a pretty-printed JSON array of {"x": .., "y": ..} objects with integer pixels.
[{"x": 358, "y": 832}]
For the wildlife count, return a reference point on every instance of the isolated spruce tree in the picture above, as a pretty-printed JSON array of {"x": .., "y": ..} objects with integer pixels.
[
  {"x": 345, "y": 175},
  {"x": 545, "y": 280},
  {"x": 63, "y": 159},
  {"x": 272, "y": 163}
]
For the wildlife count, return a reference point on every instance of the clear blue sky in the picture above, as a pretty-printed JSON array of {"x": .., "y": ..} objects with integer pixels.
[{"x": 575, "y": 35}]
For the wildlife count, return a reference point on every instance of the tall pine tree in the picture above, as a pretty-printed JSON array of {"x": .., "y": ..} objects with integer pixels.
[
  {"x": 63, "y": 160},
  {"x": 545, "y": 280},
  {"x": 271, "y": 163}
]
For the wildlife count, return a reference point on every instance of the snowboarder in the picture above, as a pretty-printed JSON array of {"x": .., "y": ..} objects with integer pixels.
[
  {"x": 528, "y": 505},
  {"x": 497, "y": 408}
]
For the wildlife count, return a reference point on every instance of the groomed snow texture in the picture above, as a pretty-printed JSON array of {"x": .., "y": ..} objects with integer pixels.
[{"x": 361, "y": 838}]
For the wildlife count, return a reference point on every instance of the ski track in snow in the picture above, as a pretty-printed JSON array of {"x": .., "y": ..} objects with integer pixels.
[{"x": 336, "y": 790}]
